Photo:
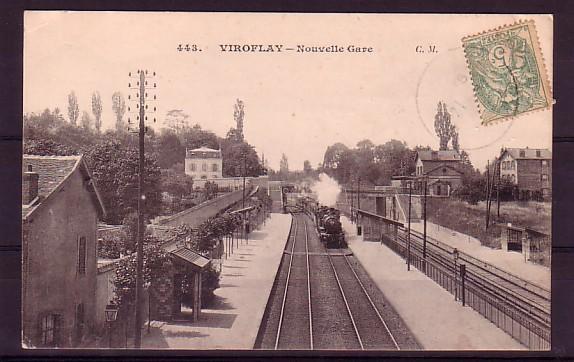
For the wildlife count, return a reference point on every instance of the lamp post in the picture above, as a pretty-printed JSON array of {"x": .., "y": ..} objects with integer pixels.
[
  {"x": 455, "y": 256},
  {"x": 111, "y": 316}
]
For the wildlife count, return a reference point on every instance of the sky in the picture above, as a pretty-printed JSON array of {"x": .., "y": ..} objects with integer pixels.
[{"x": 297, "y": 103}]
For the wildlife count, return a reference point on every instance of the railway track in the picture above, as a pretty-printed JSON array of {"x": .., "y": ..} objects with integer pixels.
[
  {"x": 529, "y": 300},
  {"x": 319, "y": 301}
]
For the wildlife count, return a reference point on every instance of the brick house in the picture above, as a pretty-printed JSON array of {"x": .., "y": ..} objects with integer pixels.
[
  {"x": 60, "y": 211},
  {"x": 441, "y": 169},
  {"x": 530, "y": 169}
]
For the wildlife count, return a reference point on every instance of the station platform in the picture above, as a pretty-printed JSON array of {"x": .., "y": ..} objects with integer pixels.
[
  {"x": 437, "y": 321},
  {"x": 233, "y": 321}
]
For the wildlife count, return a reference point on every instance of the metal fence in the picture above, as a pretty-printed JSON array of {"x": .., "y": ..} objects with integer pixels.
[{"x": 517, "y": 307}]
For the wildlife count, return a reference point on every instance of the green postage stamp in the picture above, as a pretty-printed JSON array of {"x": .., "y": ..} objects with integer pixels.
[{"x": 508, "y": 72}]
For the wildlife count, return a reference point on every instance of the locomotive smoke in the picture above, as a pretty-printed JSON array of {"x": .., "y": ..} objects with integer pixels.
[{"x": 327, "y": 190}]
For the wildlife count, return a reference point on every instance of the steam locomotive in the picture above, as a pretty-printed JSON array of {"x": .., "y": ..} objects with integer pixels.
[{"x": 328, "y": 221}]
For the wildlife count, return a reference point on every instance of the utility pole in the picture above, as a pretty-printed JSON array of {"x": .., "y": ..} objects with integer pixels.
[
  {"x": 498, "y": 188},
  {"x": 425, "y": 222},
  {"x": 487, "y": 192},
  {"x": 141, "y": 86},
  {"x": 359, "y": 228},
  {"x": 409, "y": 230}
]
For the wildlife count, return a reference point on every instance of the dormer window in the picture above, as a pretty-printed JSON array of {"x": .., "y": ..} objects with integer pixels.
[
  {"x": 522, "y": 153},
  {"x": 537, "y": 153}
]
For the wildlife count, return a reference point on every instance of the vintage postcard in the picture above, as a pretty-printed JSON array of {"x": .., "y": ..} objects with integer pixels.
[{"x": 282, "y": 181}]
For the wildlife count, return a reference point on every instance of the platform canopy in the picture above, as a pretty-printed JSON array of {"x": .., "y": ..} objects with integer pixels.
[{"x": 198, "y": 262}]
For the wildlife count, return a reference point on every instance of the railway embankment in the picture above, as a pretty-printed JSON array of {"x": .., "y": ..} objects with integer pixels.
[{"x": 433, "y": 316}]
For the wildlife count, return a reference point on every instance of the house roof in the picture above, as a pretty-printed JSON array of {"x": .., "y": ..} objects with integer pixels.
[
  {"x": 203, "y": 149},
  {"x": 442, "y": 166},
  {"x": 53, "y": 172},
  {"x": 447, "y": 155},
  {"x": 529, "y": 153}
]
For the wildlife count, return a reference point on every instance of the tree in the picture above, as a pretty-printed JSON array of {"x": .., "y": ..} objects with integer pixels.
[
  {"x": 97, "y": 110},
  {"x": 177, "y": 120},
  {"x": 177, "y": 184},
  {"x": 169, "y": 149},
  {"x": 115, "y": 170},
  {"x": 210, "y": 190},
  {"x": 454, "y": 137},
  {"x": 238, "y": 116},
  {"x": 442, "y": 125},
  {"x": 240, "y": 158},
  {"x": 45, "y": 147},
  {"x": 307, "y": 168},
  {"x": 86, "y": 121},
  {"x": 284, "y": 164},
  {"x": 196, "y": 137},
  {"x": 119, "y": 108},
  {"x": 333, "y": 154},
  {"x": 73, "y": 108}
]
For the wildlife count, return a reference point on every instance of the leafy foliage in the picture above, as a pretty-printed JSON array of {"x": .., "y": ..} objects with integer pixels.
[
  {"x": 73, "y": 108},
  {"x": 443, "y": 127},
  {"x": 238, "y": 116},
  {"x": 155, "y": 262},
  {"x": 119, "y": 108},
  {"x": 44, "y": 147},
  {"x": 97, "y": 110},
  {"x": 115, "y": 169},
  {"x": 372, "y": 164}
]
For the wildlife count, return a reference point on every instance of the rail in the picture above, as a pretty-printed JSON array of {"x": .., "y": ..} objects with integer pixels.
[
  {"x": 286, "y": 287},
  {"x": 520, "y": 308}
]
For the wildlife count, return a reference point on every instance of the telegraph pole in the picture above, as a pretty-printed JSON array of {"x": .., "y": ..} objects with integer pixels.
[
  {"x": 141, "y": 106},
  {"x": 425, "y": 222},
  {"x": 487, "y": 192},
  {"x": 409, "y": 231}
]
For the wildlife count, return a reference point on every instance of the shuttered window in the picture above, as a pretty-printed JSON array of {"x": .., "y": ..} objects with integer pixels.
[{"x": 50, "y": 330}]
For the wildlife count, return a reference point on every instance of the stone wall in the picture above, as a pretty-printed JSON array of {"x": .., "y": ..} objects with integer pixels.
[{"x": 199, "y": 213}]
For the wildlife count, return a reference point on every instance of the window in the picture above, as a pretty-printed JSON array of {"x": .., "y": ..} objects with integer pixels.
[
  {"x": 214, "y": 167},
  {"x": 444, "y": 170},
  {"x": 522, "y": 153},
  {"x": 193, "y": 167},
  {"x": 544, "y": 177},
  {"x": 544, "y": 163},
  {"x": 203, "y": 177},
  {"x": 82, "y": 255},
  {"x": 79, "y": 321},
  {"x": 204, "y": 167},
  {"x": 50, "y": 330},
  {"x": 503, "y": 165},
  {"x": 537, "y": 153},
  {"x": 513, "y": 164}
]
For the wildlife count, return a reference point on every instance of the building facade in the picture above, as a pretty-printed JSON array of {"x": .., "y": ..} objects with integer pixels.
[
  {"x": 203, "y": 164},
  {"x": 60, "y": 211},
  {"x": 441, "y": 169},
  {"x": 530, "y": 169}
]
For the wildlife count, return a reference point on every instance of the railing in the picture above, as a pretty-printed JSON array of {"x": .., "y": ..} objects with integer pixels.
[{"x": 520, "y": 308}]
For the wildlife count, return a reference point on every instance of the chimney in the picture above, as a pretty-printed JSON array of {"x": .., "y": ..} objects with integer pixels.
[{"x": 29, "y": 186}]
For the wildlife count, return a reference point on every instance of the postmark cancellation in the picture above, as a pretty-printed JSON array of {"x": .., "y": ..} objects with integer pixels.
[{"x": 508, "y": 72}]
